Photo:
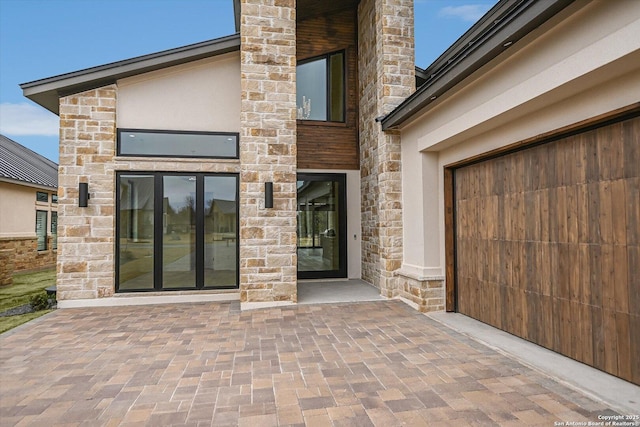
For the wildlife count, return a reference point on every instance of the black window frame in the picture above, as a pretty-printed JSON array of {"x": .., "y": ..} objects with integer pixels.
[
  {"x": 120, "y": 131},
  {"x": 326, "y": 57},
  {"x": 54, "y": 230},
  {"x": 157, "y": 231}
]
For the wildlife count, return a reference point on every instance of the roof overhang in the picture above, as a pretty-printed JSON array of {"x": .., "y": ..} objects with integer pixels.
[
  {"x": 505, "y": 24},
  {"x": 46, "y": 92}
]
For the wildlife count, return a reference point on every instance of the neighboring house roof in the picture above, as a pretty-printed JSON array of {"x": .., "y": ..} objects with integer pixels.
[
  {"x": 18, "y": 163},
  {"x": 506, "y": 23},
  {"x": 227, "y": 207},
  {"x": 47, "y": 92}
]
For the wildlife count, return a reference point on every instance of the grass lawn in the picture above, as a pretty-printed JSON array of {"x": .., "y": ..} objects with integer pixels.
[{"x": 25, "y": 285}]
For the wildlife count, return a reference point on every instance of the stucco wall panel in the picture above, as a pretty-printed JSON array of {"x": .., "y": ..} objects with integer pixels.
[
  {"x": 199, "y": 96},
  {"x": 549, "y": 63},
  {"x": 17, "y": 210}
]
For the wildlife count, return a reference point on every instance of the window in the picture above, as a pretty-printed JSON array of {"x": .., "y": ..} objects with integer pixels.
[
  {"x": 54, "y": 198},
  {"x": 41, "y": 230},
  {"x": 159, "y": 143},
  {"x": 42, "y": 196},
  {"x": 320, "y": 88},
  {"x": 54, "y": 230},
  {"x": 176, "y": 231}
]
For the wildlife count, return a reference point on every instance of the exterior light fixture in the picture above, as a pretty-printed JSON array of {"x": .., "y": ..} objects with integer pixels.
[
  {"x": 268, "y": 195},
  {"x": 83, "y": 195}
]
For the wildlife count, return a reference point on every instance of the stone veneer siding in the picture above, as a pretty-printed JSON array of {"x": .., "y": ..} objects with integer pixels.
[
  {"x": 25, "y": 254},
  {"x": 6, "y": 266},
  {"x": 86, "y": 266},
  {"x": 387, "y": 77},
  {"x": 268, "y": 260}
]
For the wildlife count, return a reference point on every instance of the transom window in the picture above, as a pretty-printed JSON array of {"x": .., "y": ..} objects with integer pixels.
[
  {"x": 162, "y": 143},
  {"x": 42, "y": 196},
  {"x": 320, "y": 88}
]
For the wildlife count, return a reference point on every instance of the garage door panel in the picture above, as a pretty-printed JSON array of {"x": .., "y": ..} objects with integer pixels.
[
  {"x": 624, "y": 344},
  {"x": 622, "y": 279},
  {"x": 619, "y": 212},
  {"x": 597, "y": 328},
  {"x": 634, "y": 326},
  {"x": 608, "y": 277},
  {"x": 547, "y": 245},
  {"x": 592, "y": 159},
  {"x": 573, "y": 234},
  {"x": 632, "y": 199},
  {"x": 633, "y": 277},
  {"x": 631, "y": 148},
  {"x": 611, "y": 347}
]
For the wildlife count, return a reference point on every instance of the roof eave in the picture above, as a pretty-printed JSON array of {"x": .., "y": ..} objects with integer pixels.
[
  {"x": 46, "y": 92},
  {"x": 27, "y": 183},
  {"x": 500, "y": 28}
]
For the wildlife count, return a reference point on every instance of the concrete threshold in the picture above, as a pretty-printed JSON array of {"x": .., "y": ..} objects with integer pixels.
[{"x": 619, "y": 395}]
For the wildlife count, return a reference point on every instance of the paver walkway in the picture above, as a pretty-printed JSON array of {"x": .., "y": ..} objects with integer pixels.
[{"x": 360, "y": 364}]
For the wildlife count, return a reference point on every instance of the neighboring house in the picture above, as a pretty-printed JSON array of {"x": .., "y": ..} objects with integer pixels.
[
  {"x": 28, "y": 208},
  {"x": 505, "y": 187}
]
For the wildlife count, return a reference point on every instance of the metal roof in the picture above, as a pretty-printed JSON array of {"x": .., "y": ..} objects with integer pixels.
[
  {"x": 46, "y": 92},
  {"x": 18, "y": 163},
  {"x": 506, "y": 23}
]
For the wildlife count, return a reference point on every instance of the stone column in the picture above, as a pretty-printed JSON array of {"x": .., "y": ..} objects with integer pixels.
[
  {"x": 387, "y": 77},
  {"x": 86, "y": 235},
  {"x": 268, "y": 261}
]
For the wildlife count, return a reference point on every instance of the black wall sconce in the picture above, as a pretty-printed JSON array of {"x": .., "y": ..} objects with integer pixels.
[
  {"x": 268, "y": 194},
  {"x": 83, "y": 195}
]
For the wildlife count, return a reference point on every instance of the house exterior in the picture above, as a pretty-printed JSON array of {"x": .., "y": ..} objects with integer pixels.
[
  {"x": 28, "y": 210},
  {"x": 299, "y": 148}
]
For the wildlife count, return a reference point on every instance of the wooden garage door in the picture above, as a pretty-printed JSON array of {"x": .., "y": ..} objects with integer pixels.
[{"x": 547, "y": 245}]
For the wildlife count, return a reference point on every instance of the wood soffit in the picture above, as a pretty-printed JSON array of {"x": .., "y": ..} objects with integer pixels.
[{"x": 306, "y": 9}]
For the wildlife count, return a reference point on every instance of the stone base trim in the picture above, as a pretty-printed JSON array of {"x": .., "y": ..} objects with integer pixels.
[
  {"x": 26, "y": 256},
  {"x": 409, "y": 303},
  {"x": 266, "y": 304},
  {"x": 423, "y": 294},
  {"x": 124, "y": 300}
]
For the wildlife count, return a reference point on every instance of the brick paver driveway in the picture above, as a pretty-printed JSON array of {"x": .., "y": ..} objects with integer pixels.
[{"x": 378, "y": 363}]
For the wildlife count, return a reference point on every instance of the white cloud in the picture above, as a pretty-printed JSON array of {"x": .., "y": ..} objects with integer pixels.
[
  {"x": 467, "y": 12},
  {"x": 27, "y": 119}
]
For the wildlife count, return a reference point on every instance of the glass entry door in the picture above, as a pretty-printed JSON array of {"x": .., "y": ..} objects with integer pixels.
[
  {"x": 322, "y": 226},
  {"x": 177, "y": 231}
]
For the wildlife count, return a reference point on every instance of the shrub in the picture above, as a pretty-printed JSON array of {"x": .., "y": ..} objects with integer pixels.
[{"x": 40, "y": 301}]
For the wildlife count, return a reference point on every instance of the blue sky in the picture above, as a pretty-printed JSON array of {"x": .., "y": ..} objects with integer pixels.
[{"x": 44, "y": 38}]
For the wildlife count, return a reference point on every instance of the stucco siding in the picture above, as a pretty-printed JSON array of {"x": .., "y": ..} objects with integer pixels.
[
  {"x": 199, "y": 96},
  {"x": 17, "y": 210}
]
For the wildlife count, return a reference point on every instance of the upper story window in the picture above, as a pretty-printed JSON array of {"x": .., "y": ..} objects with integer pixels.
[
  {"x": 54, "y": 198},
  {"x": 42, "y": 196},
  {"x": 161, "y": 143},
  {"x": 320, "y": 93}
]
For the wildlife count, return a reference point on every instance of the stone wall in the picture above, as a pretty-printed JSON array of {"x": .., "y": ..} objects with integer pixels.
[
  {"x": 387, "y": 77},
  {"x": 86, "y": 235},
  {"x": 6, "y": 266},
  {"x": 25, "y": 254},
  {"x": 268, "y": 151}
]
